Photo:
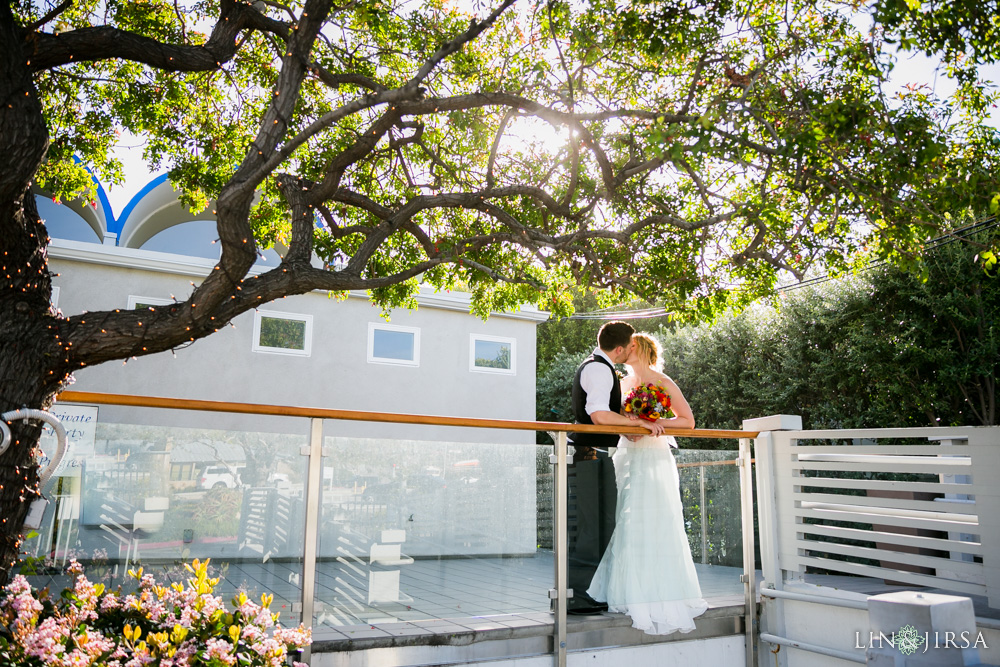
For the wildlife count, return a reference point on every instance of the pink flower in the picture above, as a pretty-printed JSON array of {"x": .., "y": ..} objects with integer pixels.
[
  {"x": 21, "y": 601},
  {"x": 264, "y": 618},
  {"x": 221, "y": 650},
  {"x": 297, "y": 637},
  {"x": 251, "y": 634},
  {"x": 60, "y": 634},
  {"x": 110, "y": 603},
  {"x": 48, "y": 641}
]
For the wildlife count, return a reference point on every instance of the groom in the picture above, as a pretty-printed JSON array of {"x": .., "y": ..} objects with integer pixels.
[{"x": 597, "y": 397}]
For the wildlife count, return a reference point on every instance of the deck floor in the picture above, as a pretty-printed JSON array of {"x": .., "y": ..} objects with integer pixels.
[
  {"x": 347, "y": 594},
  {"x": 351, "y": 592}
]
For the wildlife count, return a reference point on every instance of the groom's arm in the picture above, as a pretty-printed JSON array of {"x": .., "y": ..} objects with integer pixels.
[
  {"x": 597, "y": 381},
  {"x": 609, "y": 418}
]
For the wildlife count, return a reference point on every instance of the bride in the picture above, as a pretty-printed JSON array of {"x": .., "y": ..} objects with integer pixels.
[{"x": 647, "y": 571}]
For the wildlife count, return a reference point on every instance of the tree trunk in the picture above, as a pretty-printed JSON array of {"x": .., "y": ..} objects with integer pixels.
[{"x": 33, "y": 364}]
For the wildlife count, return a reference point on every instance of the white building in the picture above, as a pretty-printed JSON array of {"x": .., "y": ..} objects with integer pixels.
[
  {"x": 157, "y": 467},
  {"x": 303, "y": 350}
]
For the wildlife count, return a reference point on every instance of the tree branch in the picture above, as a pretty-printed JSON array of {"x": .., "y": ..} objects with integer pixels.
[
  {"x": 49, "y": 50},
  {"x": 59, "y": 9}
]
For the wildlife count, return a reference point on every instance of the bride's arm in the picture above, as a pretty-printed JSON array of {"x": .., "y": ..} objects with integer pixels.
[
  {"x": 683, "y": 417},
  {"x": 614, "y": 417}
]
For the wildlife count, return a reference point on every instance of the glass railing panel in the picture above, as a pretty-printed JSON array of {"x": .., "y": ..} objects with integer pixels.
[
  {"x": 157, "y": 489},
  {"x": 710, "y": 492},
  {"x": 422, "y": 529},
  {"x": 676, "y": 538}
]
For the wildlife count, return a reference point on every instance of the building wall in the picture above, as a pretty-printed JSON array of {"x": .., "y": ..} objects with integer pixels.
[
  {"x": 418, "y": 475},
  {"x": 337, "y": 373}
]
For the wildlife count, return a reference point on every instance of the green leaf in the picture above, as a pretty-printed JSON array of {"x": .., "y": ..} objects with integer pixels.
[{"x": 988, "y": 260}]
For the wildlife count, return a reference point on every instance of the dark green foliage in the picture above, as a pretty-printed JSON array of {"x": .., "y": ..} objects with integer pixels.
[
  {"x": 723, "y": 544},
  {"x": 884, "y": 349},
  {"x": 553, "y": 385},
  {"x": 283, "y": 333}
]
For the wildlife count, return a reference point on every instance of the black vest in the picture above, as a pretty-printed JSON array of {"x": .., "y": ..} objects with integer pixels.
[{"x": 580, "y": 406}]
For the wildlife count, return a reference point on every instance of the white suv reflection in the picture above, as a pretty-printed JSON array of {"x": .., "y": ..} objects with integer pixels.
[{"x": 217, "y": 477}]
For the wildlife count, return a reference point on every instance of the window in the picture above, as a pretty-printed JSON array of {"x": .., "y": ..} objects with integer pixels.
[
  {"x": 389, "y": 344},
  {"x": 181, "y": 472},
  {"x": 282, "y": 333},
  {"x": 491, "y": 354},
  {"x": 144, "y": 302}
]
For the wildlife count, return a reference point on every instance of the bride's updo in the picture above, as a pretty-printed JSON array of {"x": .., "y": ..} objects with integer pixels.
[{"x": 648, "y": 350}]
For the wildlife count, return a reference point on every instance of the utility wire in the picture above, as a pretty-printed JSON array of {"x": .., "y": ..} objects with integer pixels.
[
  {"x": 620, "y": 314},
  {"x": 933, "y": 244},
  {"x": 648, "y": 313}
]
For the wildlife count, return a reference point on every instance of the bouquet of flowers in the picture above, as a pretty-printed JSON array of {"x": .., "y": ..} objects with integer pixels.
[{"x": 649, "y": 402}]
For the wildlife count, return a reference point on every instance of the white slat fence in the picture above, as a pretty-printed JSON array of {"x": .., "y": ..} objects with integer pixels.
[{"x": 842, "y": 506}]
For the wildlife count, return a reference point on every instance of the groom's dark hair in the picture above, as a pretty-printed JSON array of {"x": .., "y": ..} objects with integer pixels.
[{"x": 614, "y": 334}]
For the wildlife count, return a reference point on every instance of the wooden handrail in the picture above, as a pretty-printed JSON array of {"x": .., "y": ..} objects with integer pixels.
[{"x": 384, "y": 417}]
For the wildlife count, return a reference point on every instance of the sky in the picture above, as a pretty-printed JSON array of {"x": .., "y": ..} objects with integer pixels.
[{"x": 910, "y": 68}]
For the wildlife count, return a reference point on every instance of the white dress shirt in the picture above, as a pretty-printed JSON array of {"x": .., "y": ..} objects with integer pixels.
[{"x": 597, "y": 380}]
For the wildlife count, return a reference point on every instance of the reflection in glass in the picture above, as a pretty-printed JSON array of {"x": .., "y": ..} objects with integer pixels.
[
  {"x": 711, "y": 497},
  {"x": 492, "y": 354},
  {"x": 409, "y": 530},
  {"x": 282, "y": 333},
  {"x": 416, "y": 530},
  {"x": 162, "y": 496},
  {"x": 387, "y": 344}
]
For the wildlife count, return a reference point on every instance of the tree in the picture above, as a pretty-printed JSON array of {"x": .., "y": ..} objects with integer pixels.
[
  {"x": 685, "y": 153},
  {"x": 882, "y": 349}
]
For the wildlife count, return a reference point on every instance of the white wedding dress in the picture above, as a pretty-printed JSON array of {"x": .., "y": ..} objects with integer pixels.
[{"x": 647, "y": 571}]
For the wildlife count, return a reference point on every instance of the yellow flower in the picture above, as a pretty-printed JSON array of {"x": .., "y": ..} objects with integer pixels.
[{"x": 179, "y": 634}]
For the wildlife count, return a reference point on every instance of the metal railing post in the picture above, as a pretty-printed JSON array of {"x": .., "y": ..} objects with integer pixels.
[
  {"x": 560, "y": 518},
  {"x": 314, "y": 477},
  {"x": 704, "y": 516},
  {"x": 749, "y": 583}
]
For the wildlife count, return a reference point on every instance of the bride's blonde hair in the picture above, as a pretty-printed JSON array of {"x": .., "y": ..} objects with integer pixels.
[{"x": 648, "y": 350}]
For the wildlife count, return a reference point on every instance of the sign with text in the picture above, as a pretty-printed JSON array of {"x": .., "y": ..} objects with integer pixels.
[{"x": 80, "y": 422}]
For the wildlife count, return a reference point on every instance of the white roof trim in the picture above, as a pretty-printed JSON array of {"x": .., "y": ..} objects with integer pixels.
[{"x": 183, "y": 265}]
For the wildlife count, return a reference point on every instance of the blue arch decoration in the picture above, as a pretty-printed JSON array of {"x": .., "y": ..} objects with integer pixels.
[
  {"x": 102, "y": 195},
  {"x": 134, "y": 201},
  {"x": 140, "y": 231}
]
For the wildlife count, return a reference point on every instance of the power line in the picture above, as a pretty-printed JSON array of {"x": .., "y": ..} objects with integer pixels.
[
  {"x": 645, "y": 313},
  {"x": 933, "y": 244},
  {"x": 989, "y": 222}
]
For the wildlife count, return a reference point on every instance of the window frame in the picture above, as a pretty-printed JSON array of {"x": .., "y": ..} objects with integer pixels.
[
  {"x": 134, "y": 301},
  {"x": 258, "y": 317},
  {"x": 372, "y": 359},
  {"x": 492, "y": 339}
]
